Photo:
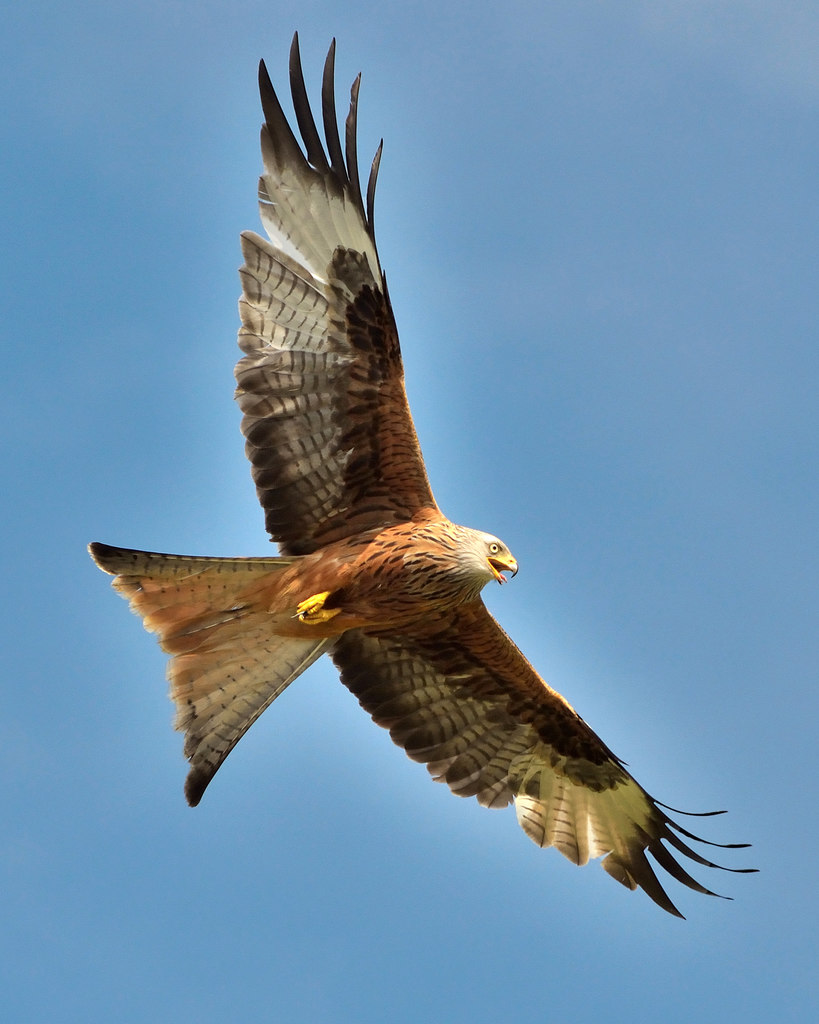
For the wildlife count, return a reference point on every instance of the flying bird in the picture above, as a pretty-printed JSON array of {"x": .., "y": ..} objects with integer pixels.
[{"x": 369, "y": 570}]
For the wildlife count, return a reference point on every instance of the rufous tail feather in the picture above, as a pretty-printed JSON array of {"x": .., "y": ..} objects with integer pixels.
[{"x": 227, "y": 665}]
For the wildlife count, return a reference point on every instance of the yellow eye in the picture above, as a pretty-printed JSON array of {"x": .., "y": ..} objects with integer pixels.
[{"x": 494, "y": 548}]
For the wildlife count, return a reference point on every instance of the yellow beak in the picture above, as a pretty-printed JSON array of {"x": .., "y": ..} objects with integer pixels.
[{"x": 500, "y": 565}]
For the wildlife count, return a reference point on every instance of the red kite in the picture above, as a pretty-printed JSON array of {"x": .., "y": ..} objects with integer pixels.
[{"x": 370, "y": 571}]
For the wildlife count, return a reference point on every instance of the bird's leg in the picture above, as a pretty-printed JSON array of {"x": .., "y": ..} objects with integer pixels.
[{"x": 312, "y": 610}]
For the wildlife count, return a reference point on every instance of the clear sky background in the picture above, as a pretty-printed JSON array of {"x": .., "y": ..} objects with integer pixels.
[{"x": 599, "y": 224}]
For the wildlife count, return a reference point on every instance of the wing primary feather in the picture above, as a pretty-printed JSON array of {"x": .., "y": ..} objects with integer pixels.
[
  {"x": 286, "y": 146},
  {"x": 351, "y": 144},
  {"x": 676, "y": 870},
  {"x": 344, "y": 162},
  {"x": 698, "y": 839},
  {"x": 641, "y": 873},
  {"x": 708, "y": 842},
  {"x": 304, "y": 115},
  {"x": 685, "y": 849},
  {"x": 371, "y": 189},
  {"x": 328, "y": 112},
  {"x": 688, "y": 814}
]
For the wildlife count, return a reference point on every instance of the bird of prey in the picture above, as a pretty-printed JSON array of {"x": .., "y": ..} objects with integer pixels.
[{"x": 369, "y": 570}]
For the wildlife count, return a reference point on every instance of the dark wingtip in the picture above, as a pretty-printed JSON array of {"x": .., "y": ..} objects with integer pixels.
[
  {"x": 371, "y": 188},
  {"x": 689, "y": 814},
  {"x": 264, "y": 76},
  {"x": 328, "y": 111},
  {"x": 304, "y": 114},
  {"x": 105, "y": 556},
  {"x": 195, "y": 785},
  {"x": 342, "y": 161},
  {"x": 351, "y": 140}
]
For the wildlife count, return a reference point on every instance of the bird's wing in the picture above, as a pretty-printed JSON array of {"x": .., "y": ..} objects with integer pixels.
[
  {"x": 321, "y": 385},
  {"x": 463, "y": 699}
]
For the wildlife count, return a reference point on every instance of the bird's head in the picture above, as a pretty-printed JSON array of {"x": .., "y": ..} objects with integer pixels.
[
  {"x": 500, "y": 559},
  {"x": 489, "y": 558}
]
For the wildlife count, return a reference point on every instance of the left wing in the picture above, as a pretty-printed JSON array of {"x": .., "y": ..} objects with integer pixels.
[{"x": 467, "y": 703}]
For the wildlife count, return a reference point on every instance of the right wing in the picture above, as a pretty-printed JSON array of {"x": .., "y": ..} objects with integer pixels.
[{"x": 321, "y": 385}]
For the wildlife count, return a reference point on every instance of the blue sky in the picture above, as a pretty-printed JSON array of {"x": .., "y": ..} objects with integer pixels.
[{"x": 599, "y": 226}]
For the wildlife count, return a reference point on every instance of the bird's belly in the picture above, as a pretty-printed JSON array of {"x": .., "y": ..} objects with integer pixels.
[{"x": 389, "y": 581}]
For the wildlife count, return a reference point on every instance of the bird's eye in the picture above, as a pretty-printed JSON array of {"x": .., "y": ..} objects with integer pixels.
[{"x": 494, "y": 548}]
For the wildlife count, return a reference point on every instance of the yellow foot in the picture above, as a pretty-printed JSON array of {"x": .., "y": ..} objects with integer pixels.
[{"x": 313, "y": 611}]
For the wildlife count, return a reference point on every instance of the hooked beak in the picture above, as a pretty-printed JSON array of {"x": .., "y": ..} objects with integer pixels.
[{"x": 502, "y": 565}]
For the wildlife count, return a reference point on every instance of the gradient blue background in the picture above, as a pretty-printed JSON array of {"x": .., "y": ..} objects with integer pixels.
[{"x": 599, "y": 224}]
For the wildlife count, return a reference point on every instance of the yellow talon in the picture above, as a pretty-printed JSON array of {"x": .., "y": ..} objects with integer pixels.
[{"x": 312, "y": 610}]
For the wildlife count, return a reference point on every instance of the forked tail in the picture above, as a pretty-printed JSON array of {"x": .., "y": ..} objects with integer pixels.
[{"x": 226, "y": 664}]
